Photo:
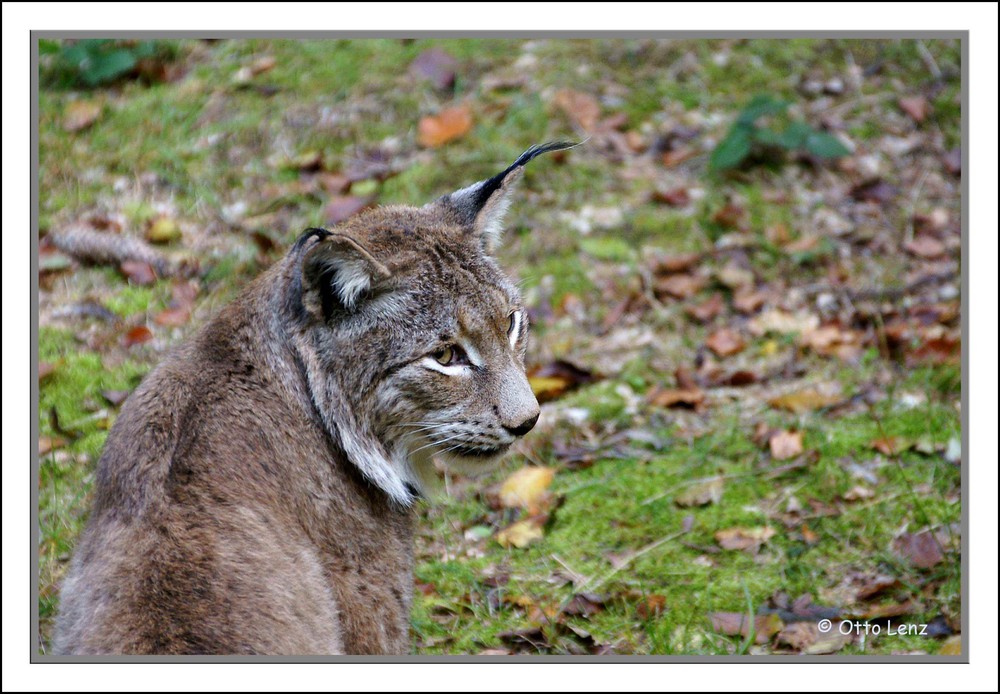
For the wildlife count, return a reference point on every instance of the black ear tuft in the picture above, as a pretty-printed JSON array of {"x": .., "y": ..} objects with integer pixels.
[
  {"x": 485, "y": 190},
  {"x": 483, "y": 204}
]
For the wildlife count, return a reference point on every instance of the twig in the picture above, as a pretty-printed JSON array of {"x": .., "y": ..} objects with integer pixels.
[{"x": 928, "y": 59}]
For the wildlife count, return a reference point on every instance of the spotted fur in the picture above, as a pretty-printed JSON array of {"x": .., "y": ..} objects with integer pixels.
[{"x": 255, "y": 494}]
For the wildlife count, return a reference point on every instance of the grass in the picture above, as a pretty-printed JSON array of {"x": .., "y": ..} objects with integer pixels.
[{"x": 199, "y": 146}]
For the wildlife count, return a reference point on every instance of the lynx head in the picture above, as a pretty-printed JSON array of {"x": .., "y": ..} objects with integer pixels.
[{"x": 413, "y": 339}]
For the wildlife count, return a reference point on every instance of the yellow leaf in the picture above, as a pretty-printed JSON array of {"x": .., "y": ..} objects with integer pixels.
[
  {"x": 548, "y": 387},
  {"x": 450, "y": 124},
  {"x": 952, "y": 645},
  {"x": 520, "y": 535},
  {"x": 527, "y": 489}
]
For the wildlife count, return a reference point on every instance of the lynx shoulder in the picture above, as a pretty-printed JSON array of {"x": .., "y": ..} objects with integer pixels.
[{"x": 255, "y": 495}]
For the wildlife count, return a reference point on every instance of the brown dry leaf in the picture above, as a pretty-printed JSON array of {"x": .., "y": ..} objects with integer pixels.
[
  {"x": 341, "y": 207},
  {"x": 744, "y": 538},
  {"x": 832, "y": 340},
  {"x": 739, "y": 624},
  {"x": 520, "y": 534},
  {"x": 583, "y": 109},
  {"x": 677, "y": 397},
  {"x": 785, "y": 444},
  {"x": 138, "y": 272},
  {"x": 942, "y": 349},
  {"x": 783, "y": 322},
  {"x": 437, "y": 66},
  {"x": 115, "y": 397},
  {"x": 921, "y": 549},
  {"x": 675, "y": 197},
  {"x": 808, "y": 536},
  {"x": 527, "y": 488},
  {"x": 45, "y": 369},
  {"x": 79, "y": 115},
  {"x": 137, "y": 336},
  {"x": 47, "y": 444},
  {"x": 875, "y": 190},
  {"x": 951, "y": 646},
  {"x": 807, "y": 399},
  {"x": 449, "y": 124},
  {"x": 734, "y": 276},
  {"x": 890, "y": 445},
  {"x": 858, "y": 493},
  {"x": 916, "y": 107},
  {"x": 748, "y": 300},
  {"x": 726, "y": 342},
  {"x": 729, "y": 217},
  {"x": 173, "y": 317},
  {"x": 674, "y": 157},
  {"x": 651, "y": 606},
  {"x": 552, "y": 380},
  {"x": 663, "y": 264},
  {"x": 925, "y": 246},
  {"x": 584, "y": 605},
  {"x": 952, "y": 161},
  {"x": 708, "y": 309},
  {"x": 680, "y": 286},
  {"x": 701, "y": 494}
]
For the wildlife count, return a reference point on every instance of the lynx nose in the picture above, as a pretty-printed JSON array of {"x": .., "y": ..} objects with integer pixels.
[{"x": 524, "y": 427}]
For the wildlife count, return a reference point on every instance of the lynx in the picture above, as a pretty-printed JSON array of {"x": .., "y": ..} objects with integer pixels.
[{"x": 256, "y": 494}]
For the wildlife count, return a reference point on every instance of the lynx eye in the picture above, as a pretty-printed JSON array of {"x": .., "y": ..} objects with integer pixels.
[
  {"x": 511, "y": 322},
  {"x": 452, "y": 355}
]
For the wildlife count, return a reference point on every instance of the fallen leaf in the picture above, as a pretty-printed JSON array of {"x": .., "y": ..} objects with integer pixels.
[
  {"x": 783, "y": 322},
  {"x": 785, "y": 444},
  {"x": 115, "y": 397},
  {"x": 342, "y": 207},
  {"x": 79, "y": 115},
  {"x": 925, "y": 246},
  {"x": 675, "y": 197},
  {"x": 748, "y": 300},
  {"x": 730, "y": 216},
  {"x": 163, "y": 230},
  {"x": 677, "y": 397},
  {"x": 520, "y": 534},
  {"x": 733, "y": 276},
  {"x": 527, "y": 488},
  {"x": 679, "y": 286},
  {"x": 674, "y": 157},
  {"x": 808, "y": 536},
  {"x": 138, "y": 272},
  {"x": 739, "y": 624},
  {"x": 921, "y": 549},
  {"x": 874, "y": 191},
  {"x": 447, "y": 125},
  {"x": 583, "y": 109},
  {"x": 832, "y": 340},
  {"x": 663, "y": 264},
  {"x": 744, "y": 538},
  {"x": 552, "y": 380},
  {"x": 808, "y": 639},
  {"x": 173, "y": 317},
  {"x": 708, "y": 309},
  {"x": 858, "y": 493},
  {"x": 437, "y": 66},
  {"x": 137, "y": 336},
  {"x": 725, "y": 342},
  {"x": 701, "y": 494},
  {"x": 807, "y": 399},
  {"x": 45, "y": 369},
  {"x": 651, "y": 606},
  {"x": 890, "y": 445},
  {"x": 584, "y": 605},
  {"x": 47, "y": 444},
  {"x": 916, "y": 107}
]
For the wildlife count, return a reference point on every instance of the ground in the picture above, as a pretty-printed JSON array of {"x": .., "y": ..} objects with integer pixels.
[{"x": 750, "y": 372}]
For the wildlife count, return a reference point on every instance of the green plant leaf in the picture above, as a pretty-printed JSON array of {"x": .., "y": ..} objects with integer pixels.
[
  {"x": 795, "y": 135},
  {"x": 761, "y": 105},
  {"x": 825, "y": 145},
  {"x": 47, "y": 47},
  {"x": 733, "y": 149},
  {"x": 108, "y": 66},
  {"x": 767, "y": 137}
]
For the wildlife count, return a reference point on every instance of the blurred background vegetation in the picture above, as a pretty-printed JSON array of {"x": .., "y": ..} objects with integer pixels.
[{"x": 744, "y": 291}]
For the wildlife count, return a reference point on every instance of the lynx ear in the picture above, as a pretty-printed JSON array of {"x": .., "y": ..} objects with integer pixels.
[
  {"x": 482, "y": 205},
  {"x": 338, "y": 273}
]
